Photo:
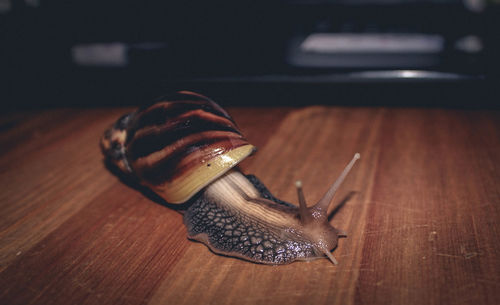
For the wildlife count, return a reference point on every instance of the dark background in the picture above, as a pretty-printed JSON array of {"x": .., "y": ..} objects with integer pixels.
[{"x": 243, "y": 54}]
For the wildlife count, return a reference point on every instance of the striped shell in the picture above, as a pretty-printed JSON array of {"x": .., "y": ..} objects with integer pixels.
[{"x": 177, "y": 146}]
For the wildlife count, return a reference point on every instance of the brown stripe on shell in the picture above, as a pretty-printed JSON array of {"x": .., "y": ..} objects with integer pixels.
[
  {"x": 173, "y": 106},
  {"x": 184, "y": 143},
  {"x": 164, "y": 111},
  {"x": 205, "y": 154},
  {"x": 154, "y": 138},
  {"x": 213, "y": 104},
  {"x": 184, "y": 155}
]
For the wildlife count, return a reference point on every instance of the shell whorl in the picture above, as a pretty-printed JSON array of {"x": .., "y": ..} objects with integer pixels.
[{"x": 177, "y": 146}]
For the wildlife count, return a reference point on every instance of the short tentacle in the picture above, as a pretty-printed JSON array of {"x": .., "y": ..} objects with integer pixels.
[{"x": 305, "y": 215}]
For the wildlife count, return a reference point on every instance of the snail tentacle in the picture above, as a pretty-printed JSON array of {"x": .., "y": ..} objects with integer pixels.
[
  {"x": 305, "y": 216},
  {"x": 325, "y": 202}
]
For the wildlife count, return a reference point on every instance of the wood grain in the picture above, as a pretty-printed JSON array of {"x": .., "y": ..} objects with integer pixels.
[{"x": 421, "y": 209}]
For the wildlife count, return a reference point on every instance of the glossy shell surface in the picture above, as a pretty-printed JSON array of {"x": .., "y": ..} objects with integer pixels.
[{"x": 177, "y": 146}]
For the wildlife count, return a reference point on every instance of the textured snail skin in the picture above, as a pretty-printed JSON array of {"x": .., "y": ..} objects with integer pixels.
[
  {"x": 185, "y": 148},
  {"x": 263, "y": 232}
]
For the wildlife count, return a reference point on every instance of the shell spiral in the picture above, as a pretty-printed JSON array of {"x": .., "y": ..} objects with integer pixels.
[{"x": 176, "y": 146}]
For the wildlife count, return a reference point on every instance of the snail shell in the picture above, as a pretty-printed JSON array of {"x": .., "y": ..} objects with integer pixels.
[
  {"x": 185, "y": 148},
  {"x": 177, "y": 146}
]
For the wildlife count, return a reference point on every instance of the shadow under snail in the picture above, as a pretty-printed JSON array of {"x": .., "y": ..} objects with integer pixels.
[{"x": 185, "y": 149}]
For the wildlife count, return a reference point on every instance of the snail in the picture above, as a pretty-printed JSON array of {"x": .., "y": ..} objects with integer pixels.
[{"x": 186, "y": 149}]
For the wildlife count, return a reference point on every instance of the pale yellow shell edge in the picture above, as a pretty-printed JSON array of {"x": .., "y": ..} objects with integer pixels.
[{"x": 182, "y": 189}]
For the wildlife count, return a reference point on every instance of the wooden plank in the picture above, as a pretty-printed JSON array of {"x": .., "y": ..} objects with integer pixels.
[
  {"x": 423, "y": 224},
  {"x": 46, "y": 178}
]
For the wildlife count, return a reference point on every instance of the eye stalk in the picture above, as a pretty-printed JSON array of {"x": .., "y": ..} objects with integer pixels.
[
  {"x": 315, "y": 218},
  {"x": 325, "y": 202}
]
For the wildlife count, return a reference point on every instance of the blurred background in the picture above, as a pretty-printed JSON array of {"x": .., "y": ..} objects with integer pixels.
[{"x": 340, "y": 52}]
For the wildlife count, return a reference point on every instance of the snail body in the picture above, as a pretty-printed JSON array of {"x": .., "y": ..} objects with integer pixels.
[{"x": 186, "y": 148}]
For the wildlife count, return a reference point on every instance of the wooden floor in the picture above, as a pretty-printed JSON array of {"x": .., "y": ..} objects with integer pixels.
[{"x": 423, "y": 225}]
